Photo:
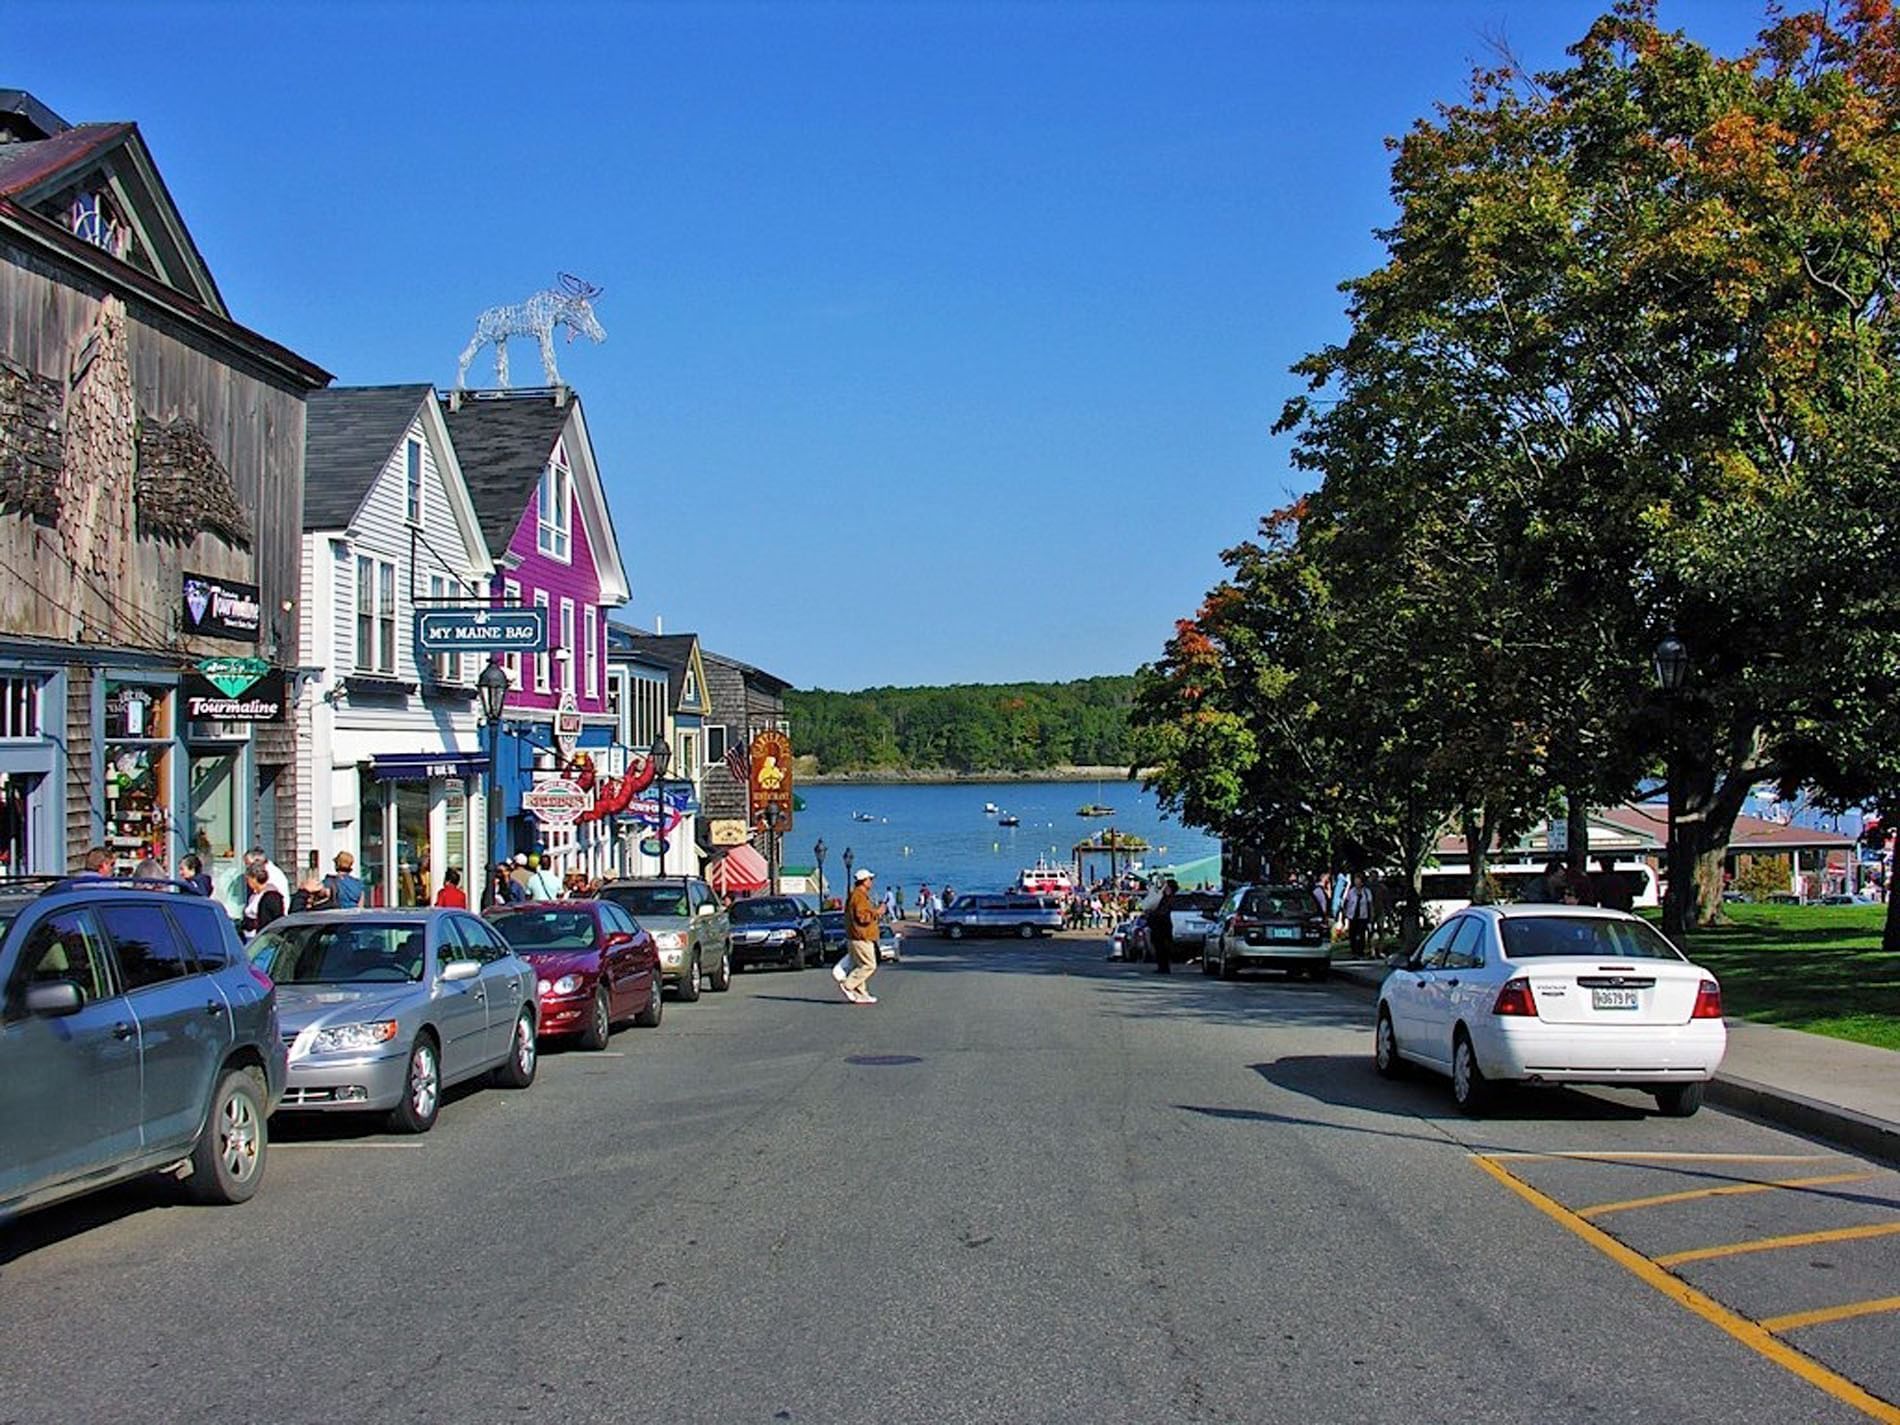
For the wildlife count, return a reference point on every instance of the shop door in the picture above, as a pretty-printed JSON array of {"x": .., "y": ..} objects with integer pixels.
[
  {"x": 216, "y": 833},
  {"x": 412, "y": 883},
  {"x": 20, "y": 837}
]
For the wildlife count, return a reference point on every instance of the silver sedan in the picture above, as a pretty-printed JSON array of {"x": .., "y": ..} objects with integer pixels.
[{"x": 383, "y": 1009}]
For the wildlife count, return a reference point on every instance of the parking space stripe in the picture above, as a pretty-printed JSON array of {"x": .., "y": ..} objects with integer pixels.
[
  {"x": 1776, "y": 1244},
  {"x": 1750, "y": 1333},
  {"x": 1604, "y": 1209},
  {"x": 1589, "y": 1155},
  {"x": 1832, "y": 1313}
]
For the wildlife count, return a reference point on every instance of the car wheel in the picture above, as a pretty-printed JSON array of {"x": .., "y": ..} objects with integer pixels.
[
  {"x": 1469, "y": 1090},
  {"x": 1385, "y": 1049},
  {"x": 524, "y": 1055},
  {"x": 689, "y": 978},
  {"x": 649, "y": 1018},
  {"x": 1027, "y": 932},
  {"x": 722, "y": 977},
  {"x": 1229, "y": 969},
  {"x": 599, "y": 1022},
  {"x": 1210, "y": 961},
  {"x": 1679, "y": 1100},
  {"x": 228, "y": 1162},
  {"x": 421, "y": 1090},
  {"x": 955, "y": 932}
]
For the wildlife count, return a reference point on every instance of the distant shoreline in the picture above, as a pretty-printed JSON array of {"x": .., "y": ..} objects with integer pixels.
[{"x": 940, "y": 777}]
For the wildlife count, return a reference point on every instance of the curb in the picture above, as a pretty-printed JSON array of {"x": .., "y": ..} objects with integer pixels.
[
  {"x": 1780, "y": 1108},
  {"x": 1844, "y": 1127}
]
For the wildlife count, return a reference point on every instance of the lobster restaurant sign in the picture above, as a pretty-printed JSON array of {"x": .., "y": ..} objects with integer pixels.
[{"x": 234, "y": 690}]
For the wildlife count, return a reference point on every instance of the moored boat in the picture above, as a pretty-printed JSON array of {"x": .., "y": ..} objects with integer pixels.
[{"x": 1045, "y": 878}]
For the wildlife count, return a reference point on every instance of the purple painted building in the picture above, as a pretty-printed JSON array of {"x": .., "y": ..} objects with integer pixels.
[{"x": 530, "y": 470}]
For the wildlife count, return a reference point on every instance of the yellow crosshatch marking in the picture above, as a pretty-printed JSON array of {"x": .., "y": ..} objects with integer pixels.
[
  {"x": 1604, "y": 1209},
  {"x": 1832, "y": 1313},
  {"x": 1776, "y": 1244},
  {"x": 1752, "y": 1334}
]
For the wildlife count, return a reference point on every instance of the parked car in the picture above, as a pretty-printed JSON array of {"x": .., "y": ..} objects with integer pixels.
[
  {"x": 1278, "y": 927},
  {"x": 1194, "y": 917},
  {"x": 831, "y": 932},
  {"x": 134, "y": 1037},
  {"x": 594, "y": 966},
  {"x": 689, "y": 924},
  {"x": 1545, "y": 994},
  {"x": 1845, "y": 898},
  {"x": 775, "y": 930},
  {"x": 1025, "y": 916},
  {"x": 1129, "y": 940},
  {"x": 890, "y": 945},
  {"x": 383, "y": 1009}
]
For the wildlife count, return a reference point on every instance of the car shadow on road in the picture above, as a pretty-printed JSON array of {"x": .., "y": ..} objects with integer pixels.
[
  {"x": 334, "y": 1127},
  {"x": 52, "y": 1225},
  {"x": 1350, "y": 1081}
]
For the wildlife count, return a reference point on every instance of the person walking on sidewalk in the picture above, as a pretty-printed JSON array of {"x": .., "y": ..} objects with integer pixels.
[
  {"x": 860, "y": 929},
  {"x": 1358, "y": 909},
  {"x": 1160, "y": 918}
]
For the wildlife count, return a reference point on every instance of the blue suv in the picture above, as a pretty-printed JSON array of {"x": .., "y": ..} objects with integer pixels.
[{"x": 134, "y": 1037}]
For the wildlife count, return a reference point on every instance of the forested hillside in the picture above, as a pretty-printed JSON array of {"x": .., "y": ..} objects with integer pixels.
[{"x": 1012, "y": 727}]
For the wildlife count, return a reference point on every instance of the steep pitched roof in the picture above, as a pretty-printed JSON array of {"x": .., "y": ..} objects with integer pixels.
[
  {"x": 673, "y": 651},
  {"x": 773, "y": 682},
  {"x": 349, "y": 432},
  {"x": 503, "y": 445}
]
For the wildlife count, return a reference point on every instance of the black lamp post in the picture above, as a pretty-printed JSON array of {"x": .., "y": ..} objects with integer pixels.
[
  {"x": 1672, "y": 676},
  {"x": 658, "y": 756},
  {"x": 492, "y": 685},
  {"x": 848, "y": 888},
  {"x": 771, "y": 816},
  {"x": 819, "y": 851}
]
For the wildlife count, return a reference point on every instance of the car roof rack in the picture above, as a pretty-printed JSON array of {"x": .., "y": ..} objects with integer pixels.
[{"x": 93, "y": 881}]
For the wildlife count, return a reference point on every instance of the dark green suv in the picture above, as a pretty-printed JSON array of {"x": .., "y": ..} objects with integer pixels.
[{"x": 134, "y": 1037}]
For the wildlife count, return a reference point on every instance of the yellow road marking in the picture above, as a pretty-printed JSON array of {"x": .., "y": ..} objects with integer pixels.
[
  {"x": 1604, "y": 1209},
  {"x": 1799, "y": 1319},
  {"x": 1635, "y": 1157},
  {"x": 1750, "y": 1333},
  {"x": 1776, "y": 1244}
]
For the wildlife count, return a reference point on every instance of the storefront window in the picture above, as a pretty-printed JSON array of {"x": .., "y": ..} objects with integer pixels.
[
  {"x": 16, "y": 822},
  {"x": 412, "y": 843},
  {"x": 370, "y": 864},
  {"x": 455, "y": 830},
  {"x": 137, "y": 780},
  {"x": 215, "y": 834}
]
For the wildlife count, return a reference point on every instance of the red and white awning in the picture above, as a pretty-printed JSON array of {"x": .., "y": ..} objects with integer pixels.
[{"x": 740, "y": 871}]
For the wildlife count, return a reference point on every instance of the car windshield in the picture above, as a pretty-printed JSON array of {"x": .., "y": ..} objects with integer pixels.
[
  {"x": 832, "y": 920},
  {"x": 531, "y": 930},
  {"x": 648, "y": 900},
  {"x": 1284, "y": 902},
  {"x": 765, "y": 908},
  {"x": 346, "y": 954},
  {"x": 1536, "y": 937}
]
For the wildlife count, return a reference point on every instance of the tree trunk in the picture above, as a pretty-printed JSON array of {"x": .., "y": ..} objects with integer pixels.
[
  {"x": 1577, "y": 817},
  {"x": 1477, "y": 836},
  {"x": 1890, "y": 930}
]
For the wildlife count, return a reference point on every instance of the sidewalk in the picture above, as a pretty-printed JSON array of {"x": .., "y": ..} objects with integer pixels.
[{"x": 1848, "y": 1094}]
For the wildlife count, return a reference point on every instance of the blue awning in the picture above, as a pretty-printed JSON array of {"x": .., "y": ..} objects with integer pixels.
[
  {"x": 421, "y": 766},
  {"x": 597, "y": 734}
]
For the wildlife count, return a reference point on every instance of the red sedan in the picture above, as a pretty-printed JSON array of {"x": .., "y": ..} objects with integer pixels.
[{"x": 595, "y": 967}]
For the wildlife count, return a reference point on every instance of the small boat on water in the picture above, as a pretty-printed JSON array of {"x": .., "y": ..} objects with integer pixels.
[
  {"x": 1045, "y": 878},
  {"x": 862, "y": 816},
  {"x": 989, "y": 808},
  {"x": 1009, "y": 818},
  {"x": 1094, "y": 809}
]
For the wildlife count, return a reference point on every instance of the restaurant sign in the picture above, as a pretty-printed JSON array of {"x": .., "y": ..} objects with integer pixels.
[
  {"x": 771, "y": 781},
  {"x": 222, "y": 608},
  {"x": 234, "y": 690}
]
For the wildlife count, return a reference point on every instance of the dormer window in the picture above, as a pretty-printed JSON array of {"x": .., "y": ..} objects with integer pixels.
[
  {"x": 691, "y": 691},
  {"x": 556, "y": 508},
  {"x": 93, "y": 218}
]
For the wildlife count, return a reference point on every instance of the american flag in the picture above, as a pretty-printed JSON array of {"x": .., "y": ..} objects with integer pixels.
[{"x": 739, "y": 763}]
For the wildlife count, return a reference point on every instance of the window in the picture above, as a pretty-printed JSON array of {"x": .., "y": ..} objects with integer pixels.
[
  {"x": 715, "y": 744},
  {"x": 64, "y": 946},
  {"x": 689, "y": 692},
  {"x": 447, "y": 667},
  {"x": 93, "y": 218},
  {"x": 375, "y": 615},
  {"x": 686, "y": 756},
  {"x": 150, "y": 952},
  {"x": 412, "y": 478},
  {"x": 590, "y": 654},
  {"x": 616, "y": 704},
  {"x": 511, "y": 598},
  {"x": 541, "y": 658},
  {"x": 19, "y": 708},
  {"x": 205, "y": 929},
  {"x": 1431, "y": 954},
  {"x": 555, "y": 507},
  {"x": 567, "y": 646},
  {"x": 1541, "y": 936},
  {"x": 1466, "y": 952}
]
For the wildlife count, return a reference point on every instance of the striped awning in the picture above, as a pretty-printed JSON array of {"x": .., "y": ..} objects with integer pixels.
[{"x": 740, "y": 871}]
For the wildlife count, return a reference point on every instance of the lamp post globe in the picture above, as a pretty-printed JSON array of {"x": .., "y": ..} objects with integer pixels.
[
  {"x": 819, "y": 850},
  {"x": 658, "y": 756},
  {"x": 1672, "y": 676},
  {"x": 492, "y": 685},
  {"x": 848, "y": 859},
  {"x": 1672, "y": 665}
]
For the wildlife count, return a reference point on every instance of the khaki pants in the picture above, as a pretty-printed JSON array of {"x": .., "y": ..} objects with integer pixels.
[{"x": 864, "y": 952}]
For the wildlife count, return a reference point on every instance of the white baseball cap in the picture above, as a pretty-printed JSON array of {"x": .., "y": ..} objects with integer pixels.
[{"x": 862, "y": 875}]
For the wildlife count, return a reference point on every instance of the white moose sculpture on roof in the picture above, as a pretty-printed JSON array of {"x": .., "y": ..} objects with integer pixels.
[{"x": 570, "y": 305}]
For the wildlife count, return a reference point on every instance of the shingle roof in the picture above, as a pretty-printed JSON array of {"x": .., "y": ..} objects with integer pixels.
[
  {"x": 746, "y": 670},
  {"x": 503, "y": 445},
  {"x": 673, "y": 651},
  {"x": 23, "y": 165},
  {"x": 349, "y": 432}
]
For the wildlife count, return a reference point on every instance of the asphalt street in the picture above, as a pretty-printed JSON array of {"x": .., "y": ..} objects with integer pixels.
[{"x": 1028, "y": 1185}]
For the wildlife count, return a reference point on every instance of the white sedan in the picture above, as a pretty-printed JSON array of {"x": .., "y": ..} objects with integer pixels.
[{"x": 1553, "y": 994}]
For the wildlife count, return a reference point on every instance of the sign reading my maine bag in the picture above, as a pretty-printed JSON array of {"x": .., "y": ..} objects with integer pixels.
[
  {"x": 234, "y": 690},
  {"x": 222, "y": 608}
]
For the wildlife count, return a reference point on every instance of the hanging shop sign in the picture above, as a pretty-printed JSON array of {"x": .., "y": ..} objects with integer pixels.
[
  {"x": 234, "y": 690},
  {"x": 567, "y": 726},
  {"x": 771, "y": 783},
  {"x": 654, "y": 846},
  {"x": 482, "y": 630},
  {"x": 556, "y": 803},
  {"x": 729, "y": 831},
  {"x": 222, "y": 608}
]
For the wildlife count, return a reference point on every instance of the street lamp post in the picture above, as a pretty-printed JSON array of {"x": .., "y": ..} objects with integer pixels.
[
  {"x": 658, "y": 756},
  {"x": 847, "y": 858},
  {"x": 772, "y": 816},
  {"x": 819, "y": 851},
  {"x": 1672, "y": 676},
  {"x": 492, "y": 685}
]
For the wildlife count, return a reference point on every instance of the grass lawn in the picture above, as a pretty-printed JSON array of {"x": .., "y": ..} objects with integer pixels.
[{"x": 1818, "y": 968}]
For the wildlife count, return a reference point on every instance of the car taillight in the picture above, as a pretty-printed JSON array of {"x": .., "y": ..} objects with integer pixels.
[
  {"x": 264, "y": 981},
  {"x": 1241, "y": 925},
  {"x": 1516, "y": 998},
  {"x": 1708, "y": 1001}
]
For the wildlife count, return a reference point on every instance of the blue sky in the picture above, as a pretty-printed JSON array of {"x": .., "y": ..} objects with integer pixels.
[{"x": 943, "y": 340}]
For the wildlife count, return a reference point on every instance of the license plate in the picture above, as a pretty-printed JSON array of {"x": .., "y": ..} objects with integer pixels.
[
  {"x": 1613, "y": 999},
  {"x": 1282, "y": 932}
]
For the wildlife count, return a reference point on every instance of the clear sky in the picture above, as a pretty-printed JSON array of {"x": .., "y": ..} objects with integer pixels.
[{"x": 943, "y": 339}]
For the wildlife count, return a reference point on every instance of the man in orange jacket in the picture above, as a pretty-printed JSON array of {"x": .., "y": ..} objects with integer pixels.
[{"x": 860, "y": 929}]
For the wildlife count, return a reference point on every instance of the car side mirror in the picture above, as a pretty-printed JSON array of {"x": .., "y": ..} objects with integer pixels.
[
  {"x": 615, "y": 939},
  {"x": 461, "y": 970},
  {"x": 707, "y": 910},
  {"x": 1398, "y": 959},
  {"x": 54, "y": 999}
]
